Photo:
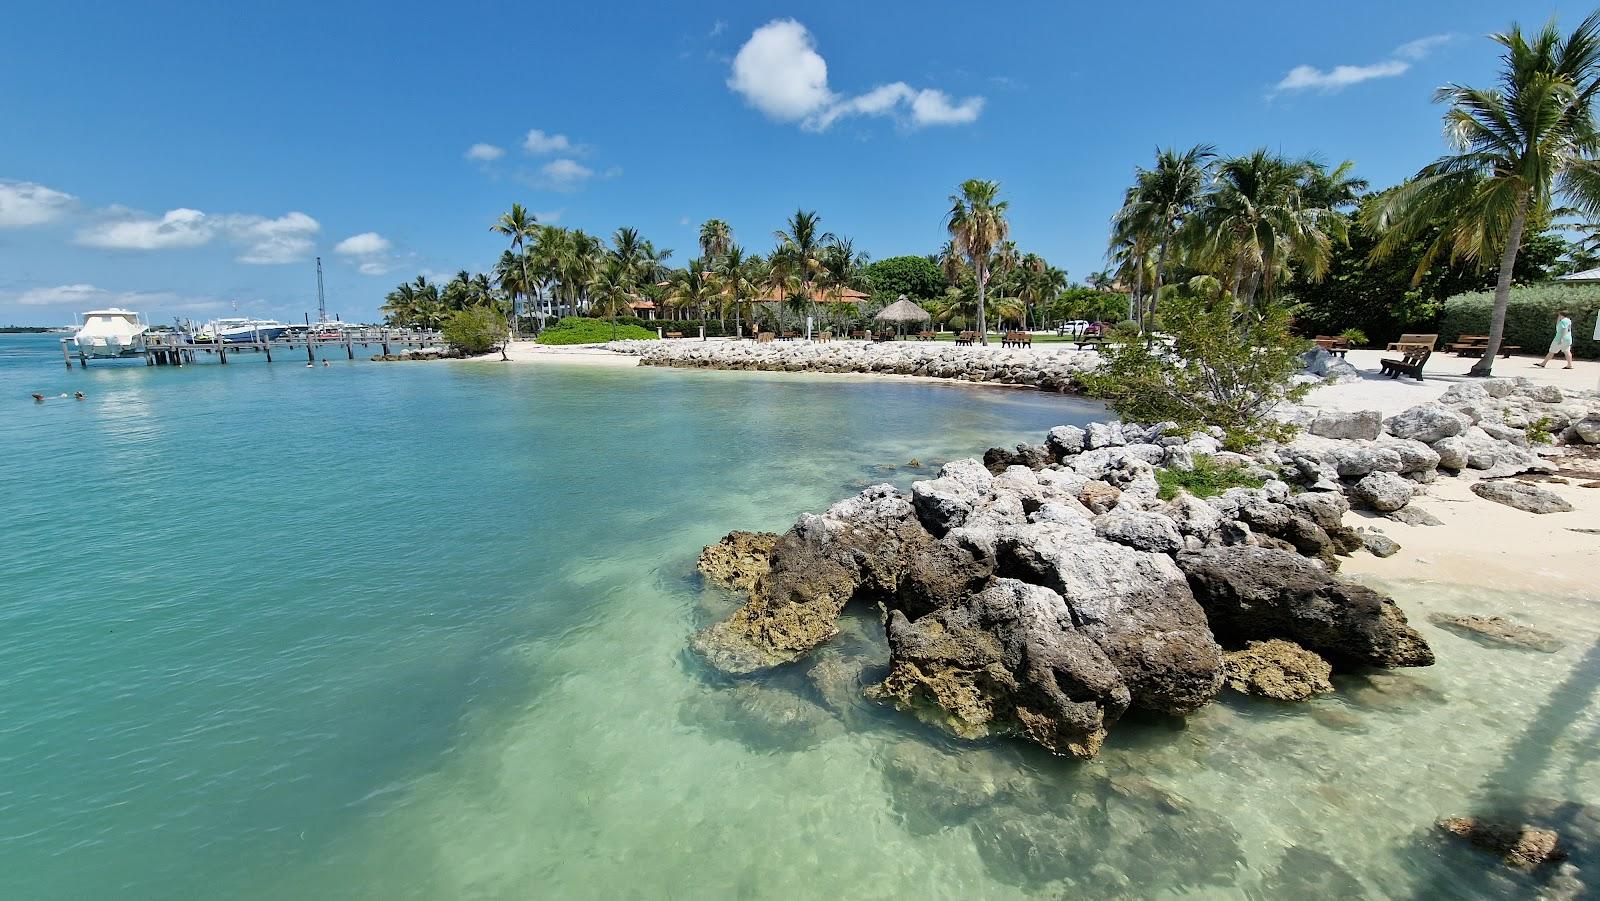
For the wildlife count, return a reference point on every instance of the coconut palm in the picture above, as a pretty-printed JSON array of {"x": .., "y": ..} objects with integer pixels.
[
  {"x": 1157, "y": 205},
  {"x": 520, "y": 226},
  {"x": 1256, "y": 218},
  {"x": 691, "y": 288},
  {"x": 977, "y": 226},
  {"x": 732, "y": 282},
  {"x": 400, "y": 306},
  {"x": 1101, "y": 281},
  {"x": 612, "y": 288},
  {"x": 1332, "y": 188},
  {"x": 716, "y": 236},
  {"x": 801, "y": 242},
  {"x": 1520, "y": 145}
]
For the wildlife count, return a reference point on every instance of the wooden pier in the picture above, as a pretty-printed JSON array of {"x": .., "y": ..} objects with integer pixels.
[{"x": 177, "y": 349}]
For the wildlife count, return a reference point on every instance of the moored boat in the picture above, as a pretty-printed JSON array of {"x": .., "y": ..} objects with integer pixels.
[{"x": 112, "y": 332}]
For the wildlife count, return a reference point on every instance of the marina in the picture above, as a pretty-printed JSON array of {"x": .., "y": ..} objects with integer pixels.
[{"x": 171, "y": 348}]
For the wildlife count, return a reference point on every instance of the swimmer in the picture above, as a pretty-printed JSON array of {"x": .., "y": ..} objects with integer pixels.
[
  {"x": 77, "y": 395},
  {"x": 326, "y": 363},
  {"x": 38, "y": 398}
]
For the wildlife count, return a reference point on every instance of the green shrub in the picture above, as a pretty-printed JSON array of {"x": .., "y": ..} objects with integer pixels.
[
  {"x": 1125, "y": 330},
  {"x": 1209, "y": 478},
  {"x": 1530, "y": 317},
  {"x": 1355, "y": 336},
  {"x": 584, "y": 330},
  {"x": 1224, "y": 369},
  {"x": 474, "y": 330},
  {"x": 1539, "y": 432}
]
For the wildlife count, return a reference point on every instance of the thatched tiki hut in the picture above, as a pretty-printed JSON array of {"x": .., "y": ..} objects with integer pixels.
[{"x": 902, "y": 313}]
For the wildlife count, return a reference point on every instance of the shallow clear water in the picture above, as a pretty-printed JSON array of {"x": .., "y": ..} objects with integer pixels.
[{"x": 417, "y": 630}]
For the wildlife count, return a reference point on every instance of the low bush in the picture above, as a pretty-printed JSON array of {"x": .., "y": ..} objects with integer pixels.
[
  {"x": 1209, "y": 478},
  {"x": 1225, "y": 368},
  {"x": 583, "y": 330},
  {"x": 1530, "y": 317},
  {"x": 1355, "y": 336},
  {"x": 474, "y": 330}
]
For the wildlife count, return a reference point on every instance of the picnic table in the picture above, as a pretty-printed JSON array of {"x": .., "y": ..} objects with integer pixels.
[
  {"x": 1475, "y": 345},
  {"x": 966, "y": 338},
  {"x": 1334, "y": 344}
]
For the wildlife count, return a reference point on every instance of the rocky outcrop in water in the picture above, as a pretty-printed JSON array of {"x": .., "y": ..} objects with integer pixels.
[
  {"x": 1253, "y": 593},
  {"x": 1277, "y": 669},
  {"x": 1518, "y": 845},
  {"x": 1497, "y": 630},
  {"x": 739, "y": 560}
]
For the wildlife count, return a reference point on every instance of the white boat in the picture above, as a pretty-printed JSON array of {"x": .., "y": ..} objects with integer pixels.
[
  {"x": 111, "y": 332},
  {"x": 239, "y": 330}
]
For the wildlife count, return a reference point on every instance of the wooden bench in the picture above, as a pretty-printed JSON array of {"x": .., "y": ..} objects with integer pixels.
[
  {"x": 966, "y": 337},
  {"x": 1016, "y": 339},
  {"x": 790, "y": 336},
  {"x": 1409, "y": 342},
  {"x": 882, "y": 336},
  {"x": 925, "y": 336},
  {"x": 1475, "y": 345},
  {"x": 1334, "y": 344},
  {"x": 1411, "y": 364},
  {"x": 858, "y": 335},
  {"x": 764, "y": 337},
  {"x": 1085, "y": 342},
  {"x": 674, "y": 334},
  {"x": 824, "y": 337}
]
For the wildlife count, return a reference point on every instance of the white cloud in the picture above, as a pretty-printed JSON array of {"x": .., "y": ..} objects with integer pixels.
[
  {"x": 365, "y": 244},
  {"x": 549, "y": 218},
  {"x": 1421, "y": 47},
  {"x": 565, "y": 174},
  {"x": 373, "y": 267},
  {"x": 541, "y": 143},
  {"x": 181, "y": 227},
  {"x": 27, "y": 203},
  {"x": 286, "y": 239},
  {"x": 779, "y": 72},
  {"x": 485, "y": 153},
  {"x": 717, "y": 28},
  {"x": 1302, "y": 78},
  {"x": 80, "y": 297}
]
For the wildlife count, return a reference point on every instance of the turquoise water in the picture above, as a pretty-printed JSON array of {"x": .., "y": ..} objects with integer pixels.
[{"x": 417, "y": 631}]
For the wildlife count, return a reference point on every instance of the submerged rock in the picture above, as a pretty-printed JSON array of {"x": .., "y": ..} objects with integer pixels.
[
  {"x": 1518, "y": 845},
  {"x": 1006, "y": 660},
  {"x": 1522, "y": 496},
  {"x": 1496, "y": 630},
  {"x": 1258, "y": 593},
  {"x": 1277, "y": 669},
  {"x": 762, "y": 717},
  {"x": 818, "y": 566},
  {"x": 739, "y": 560}
]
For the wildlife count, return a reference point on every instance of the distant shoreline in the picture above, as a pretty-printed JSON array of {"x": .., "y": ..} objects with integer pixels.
[{"x": 25, "y": 329}]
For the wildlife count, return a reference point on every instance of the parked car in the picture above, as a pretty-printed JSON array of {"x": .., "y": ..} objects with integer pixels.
[
  {"x": 1073, "y": 327},
  {"x": 1093, "y": 330}
]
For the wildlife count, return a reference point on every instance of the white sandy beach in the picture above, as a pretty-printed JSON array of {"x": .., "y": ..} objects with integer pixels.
[{"x": 1388, "y": 396}]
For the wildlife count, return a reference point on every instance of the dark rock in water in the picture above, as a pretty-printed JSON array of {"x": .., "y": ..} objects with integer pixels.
[
  {"x": 1252, "y": 593},
  {"x": 1134, "y": 604},
  {"x": 1380, "y": 545},
  {"x": 1277, "y": 669},
  {"x": 942, "y": 573},
  {"x": 1305, "y": 873},
  {"x": 1496, "y": 630},
  {"x": 935, "y": 789},
  {"x": 1033, "y": 456},
  {"x": 1522, "y": 496},
  {"x": 762, "y": 717},
  {"x": 1412, "y": 515},
  {"x": 1390, "y": 691},
  {"x": 838, "y": 681},
  {"x": 1518, "y": 845},
  {"x": 739, "y": 560},
  {"x": 817, "y": 567},
  {"x": 1007, "y": 660},
  {"x": 1337, "y": 717}
]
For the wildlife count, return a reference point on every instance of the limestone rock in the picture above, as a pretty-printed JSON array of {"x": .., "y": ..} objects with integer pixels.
[
  {"x": 1363, "y": 424},
  {"x": 1497, "y": 630},
  {"x": 1277, "y": 669},
  {"x": 1412, "y": 515},
  {"x": 1005, "y": 660},
  {"x": 1065, "y": 441},
  {"x": 1099, "y": 497},
  {"x": 1141, "y": 530},
  {"x": 1518, "y": 845},
  {"x": 1587, "y": 429},
  {"x": 1522, "y": 496},
  {"x": 1258, "y": 593},
  {"x": 1379, "y": 544},
  {"x": 1382, "y": 491},
  {"x": 1453, "y": 453},
  {"x": 738, "y": 560},
  {"x": 1103, "y": 434},
  {"x": 1426, "y": 423}
]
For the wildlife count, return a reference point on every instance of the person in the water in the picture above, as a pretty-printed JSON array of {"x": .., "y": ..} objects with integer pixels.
[
  {"x": 38, "y": 398},
  {"x": 77, "y": 395}
]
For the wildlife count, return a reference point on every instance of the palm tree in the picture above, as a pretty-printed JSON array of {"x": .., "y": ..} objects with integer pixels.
[
  {"x": 1520, "y": 146},
  {"x": 802, "y": 243},
  {"x": 400, "y": 306},
  {"x": 1157, "y": 205},
  {"x": 1332, "y": 188},
  {"x": 691, "y": 288},
  {"x": 1256, "y": 217},
  {"x": 977, "y": 225},
  {"x": 520, "y": 226},
  {"x": 715, "y": 238},
  {"x": 1101, "y": 281},
  {"x": 611, "y": 289},
  {"x": 732, "y": 274}
]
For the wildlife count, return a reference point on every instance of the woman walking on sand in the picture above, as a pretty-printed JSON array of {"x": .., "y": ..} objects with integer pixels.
[{"x": 1563, "y": 340}]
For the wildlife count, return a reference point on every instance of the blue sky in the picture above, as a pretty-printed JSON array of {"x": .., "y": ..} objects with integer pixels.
[{"x": 179, "y": 158}]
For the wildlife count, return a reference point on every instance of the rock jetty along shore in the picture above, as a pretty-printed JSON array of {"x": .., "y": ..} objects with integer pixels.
[
  {"x": 1052, "y": 370},
  {"x": 1045, "y": 591}
]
